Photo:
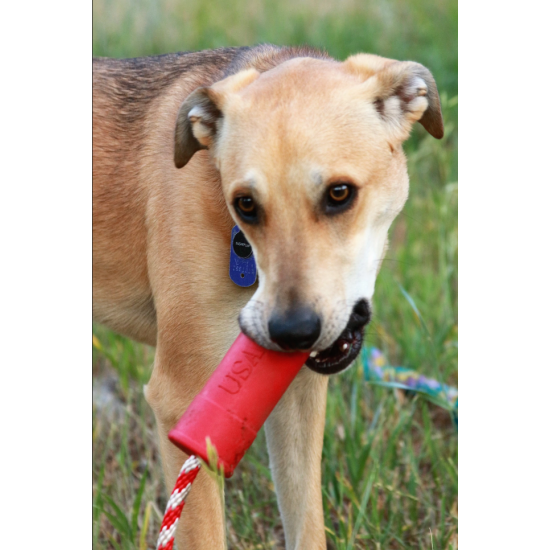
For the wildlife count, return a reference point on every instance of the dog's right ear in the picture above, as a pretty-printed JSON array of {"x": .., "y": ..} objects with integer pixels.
[
  {"x": 196, "y": 125},
  {"x": 402, "y": 91},
  {"x": 201, "y": 114}
]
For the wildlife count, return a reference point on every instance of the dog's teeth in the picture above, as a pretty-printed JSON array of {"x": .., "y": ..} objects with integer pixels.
[
  {"x": 344, "y": 346},
  {"x": 313, "y": 354}
]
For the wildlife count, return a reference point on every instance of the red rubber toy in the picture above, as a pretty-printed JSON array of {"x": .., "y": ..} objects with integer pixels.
[{"x": 236, "y": 401}]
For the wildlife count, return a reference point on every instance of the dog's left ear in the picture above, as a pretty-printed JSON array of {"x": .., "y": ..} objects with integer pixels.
[
  {"x": 201, "y": 115},
  {"x": 403, "y": 93},
  {"x": 198, "y": 108}
]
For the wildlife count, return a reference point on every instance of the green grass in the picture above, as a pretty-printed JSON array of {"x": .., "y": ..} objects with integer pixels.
[{"x": 390, "y": 462}]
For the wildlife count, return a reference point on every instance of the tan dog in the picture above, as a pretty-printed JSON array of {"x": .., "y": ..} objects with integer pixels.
[{"x": 304, "y": 153}]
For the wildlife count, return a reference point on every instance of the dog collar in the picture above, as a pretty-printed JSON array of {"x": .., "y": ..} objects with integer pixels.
[{"x": 242, "y": 266}]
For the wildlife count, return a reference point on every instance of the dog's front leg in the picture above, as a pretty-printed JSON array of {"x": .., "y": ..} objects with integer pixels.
[
  {"x": 201, "y": 525},
  {"x": 295, "y": 442}
]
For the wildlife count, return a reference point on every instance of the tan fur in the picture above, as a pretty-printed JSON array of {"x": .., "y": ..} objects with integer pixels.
[{"x": 281, "y": 124}]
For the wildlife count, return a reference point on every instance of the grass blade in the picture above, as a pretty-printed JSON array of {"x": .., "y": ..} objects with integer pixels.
[{"x": 137, "y": 503}]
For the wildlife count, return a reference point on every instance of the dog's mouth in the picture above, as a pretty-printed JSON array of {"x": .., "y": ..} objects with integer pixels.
[
  {"x": 345, "y": 350},
  {"x": 340, "y": 355}
]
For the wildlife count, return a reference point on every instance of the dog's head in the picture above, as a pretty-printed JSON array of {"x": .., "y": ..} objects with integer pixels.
[{"x": 313, "y": 172}]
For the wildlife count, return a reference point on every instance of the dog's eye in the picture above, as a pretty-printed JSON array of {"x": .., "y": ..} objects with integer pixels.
[
  {"x": 339, "y": 193},
  {"x": 246, "y": 204},
  {"x": 339, "y": 197},
  {"x": 246, "y": 209}
]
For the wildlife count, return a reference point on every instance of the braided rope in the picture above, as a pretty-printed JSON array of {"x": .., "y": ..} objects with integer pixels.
[{"x": 176, "y": 502}]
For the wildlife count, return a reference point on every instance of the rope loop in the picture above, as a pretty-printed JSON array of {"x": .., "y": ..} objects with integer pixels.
[{"x": 176, "y": 502}]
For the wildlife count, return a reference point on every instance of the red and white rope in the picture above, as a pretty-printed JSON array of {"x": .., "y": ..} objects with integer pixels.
[{"x": 176, "y": 502}]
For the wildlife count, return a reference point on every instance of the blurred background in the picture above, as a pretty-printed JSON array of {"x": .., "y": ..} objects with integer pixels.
[{"x": 390, "y": 459}]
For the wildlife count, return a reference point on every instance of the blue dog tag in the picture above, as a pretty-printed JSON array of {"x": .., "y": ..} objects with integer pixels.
[{"x": 242, "y": 266}]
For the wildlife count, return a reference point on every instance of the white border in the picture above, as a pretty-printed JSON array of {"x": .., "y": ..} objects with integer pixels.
[
  {"x": 505, "y": 370},
  {"x": 46, "y": 273}
]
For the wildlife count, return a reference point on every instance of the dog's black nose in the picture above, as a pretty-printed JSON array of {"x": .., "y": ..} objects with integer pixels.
[{"x": 295, "y": 329}]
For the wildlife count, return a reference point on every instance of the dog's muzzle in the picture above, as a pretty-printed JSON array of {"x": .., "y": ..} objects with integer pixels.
[{"x": 347, "y": 346}]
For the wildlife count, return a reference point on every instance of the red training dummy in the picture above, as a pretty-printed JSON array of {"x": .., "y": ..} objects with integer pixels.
[{"x": 236, "y": 401}]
